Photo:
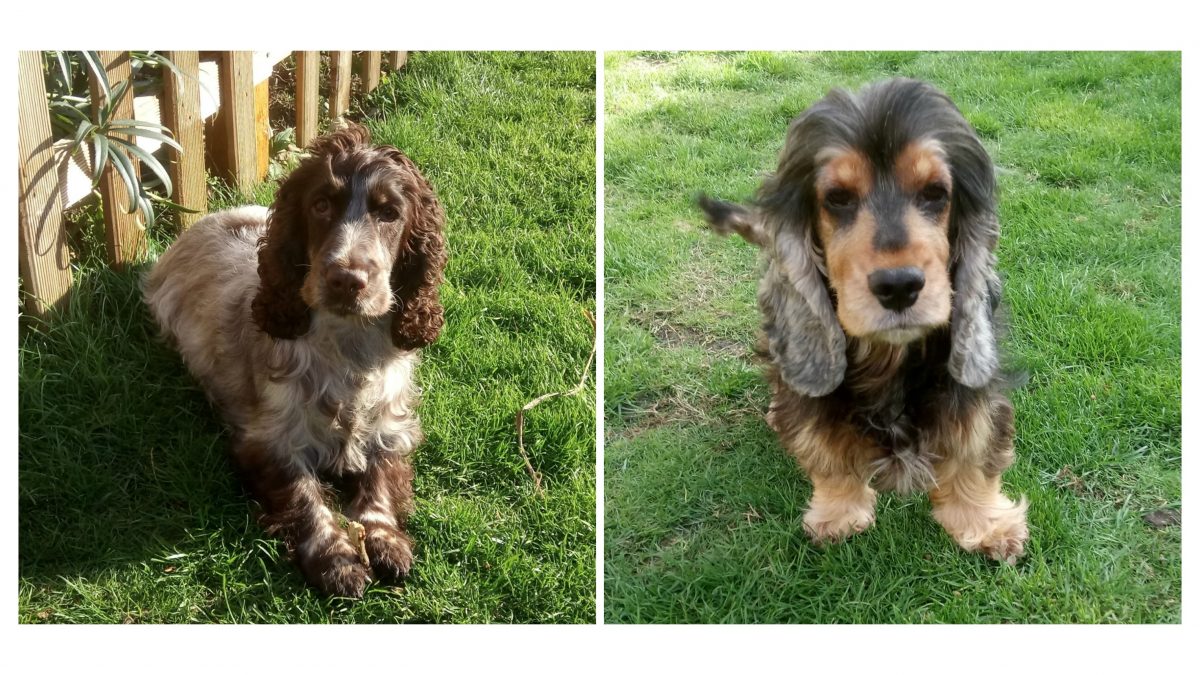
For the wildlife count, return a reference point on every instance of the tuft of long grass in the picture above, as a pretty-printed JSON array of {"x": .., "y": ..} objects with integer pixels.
[
  {"x": 703, "y": 508},
  {"x": 129, "y": 511}
]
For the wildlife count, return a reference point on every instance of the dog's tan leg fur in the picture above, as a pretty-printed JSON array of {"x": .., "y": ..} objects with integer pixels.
[
  {"x": 977, "y": 514},
  {"x": 837, "y": 460},
  {"x": 968, "y": 500},
  {"x": 841, "y": 506}
]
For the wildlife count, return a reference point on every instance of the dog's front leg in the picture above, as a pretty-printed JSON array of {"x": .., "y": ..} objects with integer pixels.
[
  {"x": 970, "y": 505},
  {"x": 841, "y": 505},
  {"x": 837, "y": 461},
  {"x": 293, "y": 506},
  {"x": 967, "y": 499},
  {"x": 382, "y": 501}
]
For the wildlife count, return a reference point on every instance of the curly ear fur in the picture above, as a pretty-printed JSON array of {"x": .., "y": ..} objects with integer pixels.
[
  {"x": 804, "y": 337},
  {"x": 277, "y": 308},
  {"x": 420, "y": 261}
]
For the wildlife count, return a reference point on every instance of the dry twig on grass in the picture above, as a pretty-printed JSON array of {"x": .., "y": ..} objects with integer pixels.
[{"x": 534, "y": 473}]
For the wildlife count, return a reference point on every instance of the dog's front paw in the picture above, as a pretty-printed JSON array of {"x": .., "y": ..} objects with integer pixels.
[
  {"x": 998, "y": 530},
  {"x": 390, "y": 551},
  {"x": 834, "y": 520},
  {"x": 1006, "y": 540},
  {"x": 344, "y": 577},
  {"x": 336, "y": 570}
]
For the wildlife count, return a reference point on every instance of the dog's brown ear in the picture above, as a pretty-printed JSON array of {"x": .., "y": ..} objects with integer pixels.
[
  {"x": 277, "y": 308},
  {"x": 804, "y": 338},
  {"x": 420, "y": 261},
  {"x": 974, "y": 232}
]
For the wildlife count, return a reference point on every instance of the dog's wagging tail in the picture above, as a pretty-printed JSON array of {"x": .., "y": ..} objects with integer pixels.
[{"x": 878, "y": 230}]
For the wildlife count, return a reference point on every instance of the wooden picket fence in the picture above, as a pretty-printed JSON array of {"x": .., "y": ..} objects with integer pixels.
[{"x": 237, "y": 147}]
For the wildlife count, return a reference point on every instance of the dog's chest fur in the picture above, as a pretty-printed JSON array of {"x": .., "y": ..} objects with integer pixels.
[
  {"x": 894, "y": 394},
  {"x": 336, "y": 395},
  {"x": 885, "y": 398}
]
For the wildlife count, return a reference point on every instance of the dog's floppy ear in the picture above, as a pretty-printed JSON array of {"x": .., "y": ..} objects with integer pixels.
[
  {"x": 804, "y": 338},
  {"x": 420, "y": 261},
  {"x": 283, "y": 262},
  {"x": 974, "y": 232}
]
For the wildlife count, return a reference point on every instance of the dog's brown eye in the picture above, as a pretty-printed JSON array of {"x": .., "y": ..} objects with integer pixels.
[
  {"x": 321, "y": 206},
  {"x": 840, "y": 199},
  {"x": 933, "y": 196},
  {"x": 387, "y": 214}
]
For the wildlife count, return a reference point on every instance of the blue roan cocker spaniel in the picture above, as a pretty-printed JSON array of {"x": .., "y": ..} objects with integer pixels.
[{"x": 878, "y": 230}]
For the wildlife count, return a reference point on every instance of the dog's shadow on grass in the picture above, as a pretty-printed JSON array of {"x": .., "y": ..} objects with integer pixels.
[{"x": 122, "y": 462}]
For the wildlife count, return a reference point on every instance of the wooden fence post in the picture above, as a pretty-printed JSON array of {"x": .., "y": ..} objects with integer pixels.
[
  {"x": 45, "y": 260},
  {"x": 262, "y": 127},
  {"x": 398, "y": 59},
  {"x": 239, "y": 159},
  {"x": 308, "y": 72},
  {"x": 181, "y": 114},
  {"x": 124, "y": 234},
  {"x": 339, "y": 89},
  {"x": 371, "y": 71}
]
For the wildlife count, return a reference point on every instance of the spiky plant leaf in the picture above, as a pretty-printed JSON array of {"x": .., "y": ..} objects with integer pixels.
[
  {"x": 93, "y": 61},
  {"x": 99, "y": 158},
  {"x": 146, "y": 133},
  {"x": 128, "y": 173},
  {"x": 148, "y": 160}
]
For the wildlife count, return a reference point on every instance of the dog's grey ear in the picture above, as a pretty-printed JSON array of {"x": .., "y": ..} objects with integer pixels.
[
  {"x": 974, "y": 358},
  {"x": 804, "y": 338},
  {"x": 974, "y": 233}
]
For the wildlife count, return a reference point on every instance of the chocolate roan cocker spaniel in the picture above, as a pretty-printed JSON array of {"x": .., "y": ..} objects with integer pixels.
[
  {"x": 303, "y": 324},
  {"x": 878, "y": 230}
]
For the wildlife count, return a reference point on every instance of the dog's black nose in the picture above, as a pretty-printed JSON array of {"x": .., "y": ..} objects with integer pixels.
[{"x": 898, "y": 287}]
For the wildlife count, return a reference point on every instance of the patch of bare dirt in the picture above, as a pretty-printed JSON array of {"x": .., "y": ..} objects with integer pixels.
[
  {"x": 664, "y": 327},
  {"x": 687, "y": 408}
]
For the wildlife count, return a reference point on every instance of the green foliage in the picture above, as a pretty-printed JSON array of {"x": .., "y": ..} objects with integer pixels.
[{"x": 93, "y": 124}]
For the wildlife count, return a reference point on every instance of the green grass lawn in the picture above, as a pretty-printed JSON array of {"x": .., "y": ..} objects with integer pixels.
[
  {"x": 703, "y": 508},
  {"x": 129, "y": 510}
]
